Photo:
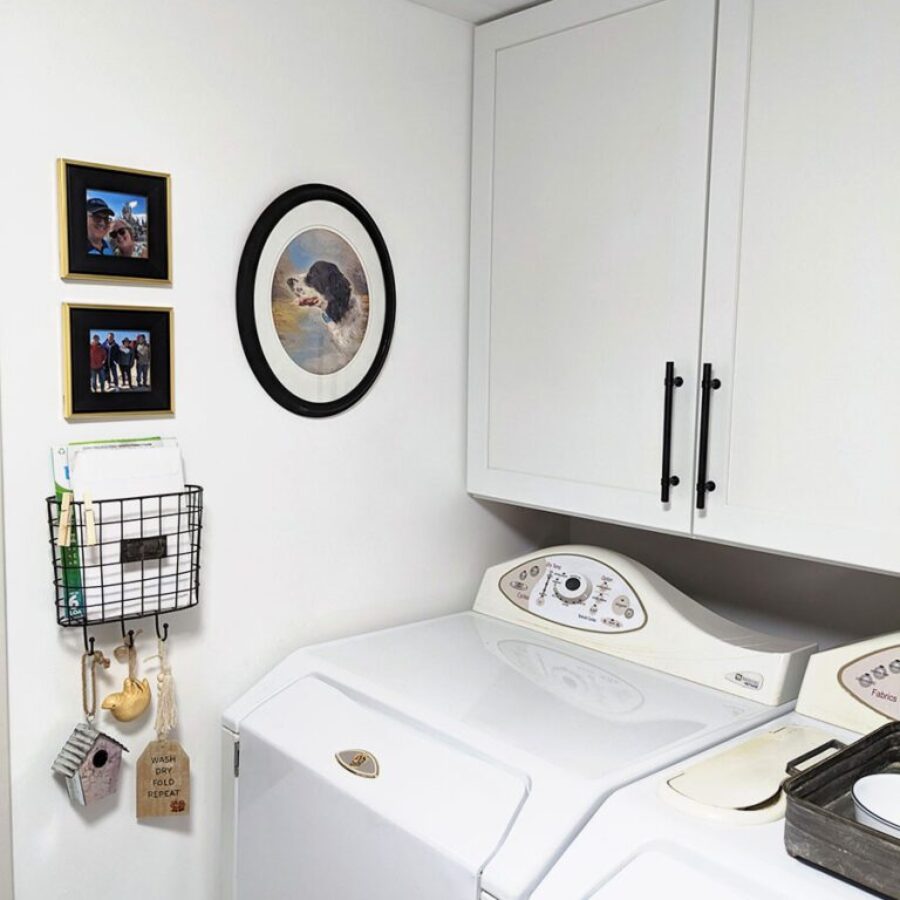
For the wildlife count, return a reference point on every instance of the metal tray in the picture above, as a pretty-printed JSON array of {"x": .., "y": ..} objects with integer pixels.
[{"x": 820, "y": 825}]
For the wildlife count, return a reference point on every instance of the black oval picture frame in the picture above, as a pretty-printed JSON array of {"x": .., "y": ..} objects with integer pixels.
[{"x": 246, "y": 299}]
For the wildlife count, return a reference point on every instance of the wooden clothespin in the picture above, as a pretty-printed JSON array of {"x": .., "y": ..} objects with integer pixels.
[
  {"x": 64, "y": 516},
  {"x": 89, "y": 523}
]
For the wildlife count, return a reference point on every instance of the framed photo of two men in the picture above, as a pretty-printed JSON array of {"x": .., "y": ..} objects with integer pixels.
[
  {"x": 117, "y": 361},
  {"x": 114, "y": 223}
]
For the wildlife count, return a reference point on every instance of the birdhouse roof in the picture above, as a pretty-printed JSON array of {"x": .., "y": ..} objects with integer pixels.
[{"x": 77, "y": 747}]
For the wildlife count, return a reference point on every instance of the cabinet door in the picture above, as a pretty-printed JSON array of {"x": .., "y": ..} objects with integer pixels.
[
  {"x": 802, "y": 312},
  {"x": 590, "y": 166}
]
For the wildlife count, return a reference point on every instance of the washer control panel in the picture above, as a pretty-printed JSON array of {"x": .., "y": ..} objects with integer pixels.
[{"x": 576, "y": 591}]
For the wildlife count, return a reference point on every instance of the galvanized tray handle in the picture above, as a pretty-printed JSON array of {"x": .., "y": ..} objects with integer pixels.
[{"x": 792, "y": 767}]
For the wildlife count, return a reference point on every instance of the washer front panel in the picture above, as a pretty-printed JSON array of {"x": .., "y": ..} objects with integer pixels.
[{"x": 575, "y": 591}]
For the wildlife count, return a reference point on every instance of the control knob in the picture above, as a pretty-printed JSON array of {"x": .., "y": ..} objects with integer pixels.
[{"x": 573, "y": 589}]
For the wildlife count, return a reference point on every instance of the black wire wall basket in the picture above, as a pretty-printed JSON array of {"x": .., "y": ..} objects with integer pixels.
[{"x": 128, "y": 558}]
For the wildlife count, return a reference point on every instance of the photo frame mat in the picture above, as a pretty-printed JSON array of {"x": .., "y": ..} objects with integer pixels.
[{"x": 343, "y": 223}]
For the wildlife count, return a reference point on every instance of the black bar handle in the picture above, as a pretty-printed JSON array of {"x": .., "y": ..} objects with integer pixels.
[
  {"x": 793, "y": 766},
  {"x": 708, "y": 384},
  {"x": 671, "y": 382}
]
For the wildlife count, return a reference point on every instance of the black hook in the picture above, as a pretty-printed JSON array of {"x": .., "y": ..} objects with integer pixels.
[
  {"x": 165, "y": 633},
  {"x": 84, "y": 633},
  {"x": 129, "y": 639}
]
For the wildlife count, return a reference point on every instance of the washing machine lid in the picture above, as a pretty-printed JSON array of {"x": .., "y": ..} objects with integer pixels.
[
  {"x": 540, "y": 703},
  {"x": 572, "y": 723},
  {"x": 318, "y": 808}
]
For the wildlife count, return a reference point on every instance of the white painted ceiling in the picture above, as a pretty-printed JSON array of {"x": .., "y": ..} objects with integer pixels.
[{"x": 477, "y": 10}]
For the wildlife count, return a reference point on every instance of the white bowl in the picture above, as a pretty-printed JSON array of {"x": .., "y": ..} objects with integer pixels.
[{"x": 876, "y": 799}]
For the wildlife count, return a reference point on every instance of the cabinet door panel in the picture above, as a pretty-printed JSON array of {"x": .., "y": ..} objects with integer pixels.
[
  {"x": 802, "y": 314},
  {"x": 591, "y": 144}
]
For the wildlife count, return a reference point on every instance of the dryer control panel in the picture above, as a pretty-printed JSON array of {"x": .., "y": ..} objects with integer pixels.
[
  {"x": 575, "y": 591},
  {"x": 856, "y": 687},
  {"x": 874, "y": 679}
]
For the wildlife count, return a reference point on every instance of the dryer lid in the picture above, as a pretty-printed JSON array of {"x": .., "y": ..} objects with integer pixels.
[
  {"x": 659, "y": 873},
  {"x": 359, "y": 803}
]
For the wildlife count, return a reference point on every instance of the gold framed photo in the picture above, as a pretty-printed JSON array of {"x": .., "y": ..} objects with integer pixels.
[
  {"x": 118, "y": 361},
  {"x": 114, "y": 223}
]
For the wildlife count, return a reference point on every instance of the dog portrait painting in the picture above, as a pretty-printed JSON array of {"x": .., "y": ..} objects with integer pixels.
[
  {"x": 316, "y": 300},
  {"x": 320, "y": 301}
]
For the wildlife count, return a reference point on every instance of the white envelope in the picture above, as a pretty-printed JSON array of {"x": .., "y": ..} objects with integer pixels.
[
  {"x": 111, "y": 471},
  {"x": 121, "y": 472}
]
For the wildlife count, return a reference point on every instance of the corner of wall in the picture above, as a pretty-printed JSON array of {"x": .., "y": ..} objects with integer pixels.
[{"x": 6, "y": 873}]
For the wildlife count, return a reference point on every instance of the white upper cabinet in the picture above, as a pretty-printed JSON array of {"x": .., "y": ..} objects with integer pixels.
[
  {"x": 802, "y": 311},
  {"x": 591, "y": 139},
  {"x": 709, "y": 185}
]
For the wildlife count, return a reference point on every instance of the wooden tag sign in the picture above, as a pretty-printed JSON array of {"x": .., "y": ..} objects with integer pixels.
[{"x": 163, "y": 781}]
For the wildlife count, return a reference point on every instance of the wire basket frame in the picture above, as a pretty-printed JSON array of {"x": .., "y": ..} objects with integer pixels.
[{"x": 126, "y": 558}]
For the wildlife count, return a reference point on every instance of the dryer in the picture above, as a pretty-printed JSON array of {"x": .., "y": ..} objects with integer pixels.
[{"x": 458, "y": 757}]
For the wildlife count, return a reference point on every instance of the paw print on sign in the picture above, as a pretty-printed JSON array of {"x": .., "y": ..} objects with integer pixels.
[{"x": 177, "y": 806}]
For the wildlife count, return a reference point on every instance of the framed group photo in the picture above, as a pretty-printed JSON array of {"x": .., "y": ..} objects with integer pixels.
[
  {"x": 114, "y": 223},
  {"x": 117, "y": 361},
  {"x": 315, "y": 300}
]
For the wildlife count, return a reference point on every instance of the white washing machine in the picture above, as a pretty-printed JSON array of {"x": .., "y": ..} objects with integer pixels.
[
  {"x": 458, "y": 757},
  {"x": 712, "y": 827}
]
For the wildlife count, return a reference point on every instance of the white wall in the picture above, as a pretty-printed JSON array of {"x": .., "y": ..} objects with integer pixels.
[
  {"x": 313, "y": 528},
  {"x": 5, "y": 820},
  {"x": 792, "y": 597}
]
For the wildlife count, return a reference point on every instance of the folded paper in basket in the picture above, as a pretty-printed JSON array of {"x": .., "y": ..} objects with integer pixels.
[{"x": 142, "y": 561}]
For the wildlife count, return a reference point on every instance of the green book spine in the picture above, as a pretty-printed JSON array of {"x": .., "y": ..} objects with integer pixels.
[{"x": 70, "y": 558}]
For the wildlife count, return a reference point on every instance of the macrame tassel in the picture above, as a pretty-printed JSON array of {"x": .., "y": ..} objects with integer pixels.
[{"x": 166, "y": 711}]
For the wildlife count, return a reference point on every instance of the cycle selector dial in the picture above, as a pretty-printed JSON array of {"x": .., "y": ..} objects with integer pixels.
[{"x": 573, "y": 589}]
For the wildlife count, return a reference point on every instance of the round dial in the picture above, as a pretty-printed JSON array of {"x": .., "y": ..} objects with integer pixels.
[{"x": 573, "y": 589}]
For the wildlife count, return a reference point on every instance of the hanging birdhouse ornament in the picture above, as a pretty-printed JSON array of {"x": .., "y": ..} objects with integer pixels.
[
  {"x": 164, "y": 769},
  {"x": 90, "y": 761}
]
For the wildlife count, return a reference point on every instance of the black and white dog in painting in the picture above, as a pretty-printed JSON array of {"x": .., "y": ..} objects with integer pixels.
[{"x": 326, "y": 287}]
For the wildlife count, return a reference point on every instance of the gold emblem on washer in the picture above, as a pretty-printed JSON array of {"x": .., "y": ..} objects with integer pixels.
[{"x": 359, "y": 762}]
